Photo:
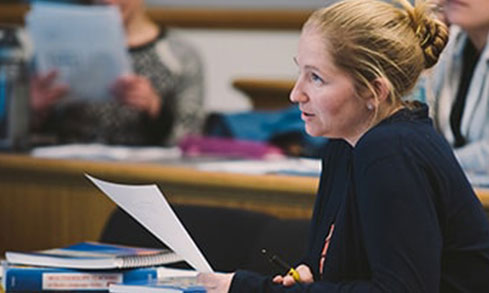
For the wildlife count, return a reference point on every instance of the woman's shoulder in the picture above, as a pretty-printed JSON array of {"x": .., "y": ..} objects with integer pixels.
[
  {"x": 405, "y": 130},
  {"x": 181, "y": 50},
  {"x": 181, "y": 44},
  {"x": 454, "y": 49}
]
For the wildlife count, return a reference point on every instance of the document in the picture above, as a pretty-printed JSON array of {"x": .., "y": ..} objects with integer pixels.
[
  {"x": 150, "y": 208},
  {"x": 286, "y": 166},
  {"x": 96, "y": 151},
  {"x": 478, "y": 179},
  {"x": 86, "y": 44}
]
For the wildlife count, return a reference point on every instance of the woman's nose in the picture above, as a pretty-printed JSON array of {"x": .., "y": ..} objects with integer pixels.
[{"x": 297, "y": 95}]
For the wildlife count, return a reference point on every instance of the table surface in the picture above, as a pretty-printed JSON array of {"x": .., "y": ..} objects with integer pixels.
[{"x": 49, "y": 203}]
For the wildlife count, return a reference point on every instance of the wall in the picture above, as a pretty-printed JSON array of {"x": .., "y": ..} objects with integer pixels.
[{"x": 229, "y": 54}]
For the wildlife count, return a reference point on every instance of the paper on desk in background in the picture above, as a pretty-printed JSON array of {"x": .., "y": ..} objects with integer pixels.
[
  {"x": 148, "y": 206},
  {"x": 288, "y": 166},
  {"x": 85, "y": 43},
  {"x": 478, "y": 179},
  {"x": 96, "y": 151}
]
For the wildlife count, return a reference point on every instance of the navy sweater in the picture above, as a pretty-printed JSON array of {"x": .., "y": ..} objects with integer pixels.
[{"x": 405, "y": 217}]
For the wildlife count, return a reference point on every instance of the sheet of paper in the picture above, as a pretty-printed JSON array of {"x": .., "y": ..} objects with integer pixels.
[
  {"x": 478, "y": 179},
  {"x": 290, "y": 166},
  {"x": 85, "y": 43},
  {"x": 149, "y": 207},
  {"x": 96, "y": 151},
  {"x": 165, "y": 272}
]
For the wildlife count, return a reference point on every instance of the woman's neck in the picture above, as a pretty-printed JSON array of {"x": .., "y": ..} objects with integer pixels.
[
  {"x": 478, "y": 38},
  {"x": 140, "y": 29},
  {"x": 382, "y": 113}
]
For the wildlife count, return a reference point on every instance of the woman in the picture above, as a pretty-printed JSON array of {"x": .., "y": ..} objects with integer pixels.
[
  {"x": 460, "y": 84},
  {"x": 158, "y": 104},
  {"x": 394, "y": 212}
]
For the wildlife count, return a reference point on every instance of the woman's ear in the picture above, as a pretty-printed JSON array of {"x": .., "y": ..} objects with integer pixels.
[
  {"x": 382, "y": 89},
  {"x": 377, "y": 94}
]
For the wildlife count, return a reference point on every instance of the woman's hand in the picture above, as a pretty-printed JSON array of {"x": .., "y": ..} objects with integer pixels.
[
  {"x": 215, "y": 282},
  {"x": 136, "y": 91},
  {"x": 287, "y": 280},
  {"x": 44, "y": 93}
]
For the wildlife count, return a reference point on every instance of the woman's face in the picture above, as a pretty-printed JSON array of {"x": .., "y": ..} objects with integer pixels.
[
  {"x": 326, "y": 95},
  {"x": 468, "y": 14},
  {"x": 126, "y": 7}
]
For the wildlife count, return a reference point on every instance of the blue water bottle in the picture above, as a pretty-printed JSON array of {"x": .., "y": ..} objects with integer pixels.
[{"x": 14, "y": 106}]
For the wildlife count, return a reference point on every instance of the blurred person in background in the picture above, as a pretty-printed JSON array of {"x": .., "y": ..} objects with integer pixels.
[
  {"x": 458, "y": 88},
  {"x": 157, "y": 105}
]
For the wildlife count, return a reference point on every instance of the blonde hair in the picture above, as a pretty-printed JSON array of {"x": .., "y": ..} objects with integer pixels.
[{"x": 371, "y": 39}]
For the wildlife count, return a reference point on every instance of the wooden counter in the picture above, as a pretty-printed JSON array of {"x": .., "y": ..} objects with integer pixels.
[{"x": 48, "y": 203}]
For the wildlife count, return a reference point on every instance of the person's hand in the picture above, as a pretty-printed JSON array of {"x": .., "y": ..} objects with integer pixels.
[
  {"x": 287, "y": 280},
  {"x": 215, "y": 282},
  {"x": 136, "y": 91},
  {"x": 43, "y": 91}
]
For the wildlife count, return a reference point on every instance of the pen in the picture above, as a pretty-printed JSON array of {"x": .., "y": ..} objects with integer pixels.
[{"x": 283, "y": 265}]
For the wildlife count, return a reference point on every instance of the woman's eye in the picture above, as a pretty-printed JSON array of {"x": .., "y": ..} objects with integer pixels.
[{"x": 316, "y": 79}]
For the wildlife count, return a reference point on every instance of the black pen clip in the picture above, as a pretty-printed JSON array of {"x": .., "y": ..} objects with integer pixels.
[{"x": 276, "y": 260}]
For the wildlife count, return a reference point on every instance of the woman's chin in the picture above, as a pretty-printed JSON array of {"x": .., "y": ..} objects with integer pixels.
[{"x": 313, "y": 132}]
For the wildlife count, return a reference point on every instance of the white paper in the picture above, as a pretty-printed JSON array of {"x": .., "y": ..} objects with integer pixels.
[
  {"x": 96, "y": 151},
  {"x": 165, "y": 272},
  {"x": 86, "y": 44},
  {"x": 478, "y": 179},
  {"x": 290, "y": 166},
  {"x": 149, "y": 207}
]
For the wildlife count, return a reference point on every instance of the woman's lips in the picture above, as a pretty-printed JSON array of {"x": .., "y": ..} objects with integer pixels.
[{"x": 306, "y": 115}]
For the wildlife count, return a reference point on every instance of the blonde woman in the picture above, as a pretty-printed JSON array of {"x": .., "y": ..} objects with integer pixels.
[{"x": 394, "y": 211}]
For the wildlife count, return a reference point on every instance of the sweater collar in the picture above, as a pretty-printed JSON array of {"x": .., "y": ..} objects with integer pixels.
[{"x": 417, "y": 111}]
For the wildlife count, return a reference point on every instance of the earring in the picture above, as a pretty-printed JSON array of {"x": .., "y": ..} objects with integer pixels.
[{"x": 370, "y": 107}]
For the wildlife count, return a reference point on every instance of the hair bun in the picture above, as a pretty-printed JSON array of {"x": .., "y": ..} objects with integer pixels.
[{"x": 433, "y": 37}]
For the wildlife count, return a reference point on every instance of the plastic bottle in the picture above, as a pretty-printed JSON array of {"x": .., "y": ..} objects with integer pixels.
[{"x": 14, "y": 100}]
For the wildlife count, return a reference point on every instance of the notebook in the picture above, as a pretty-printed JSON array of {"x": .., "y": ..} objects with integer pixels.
[{"x": 94, "y": 255}]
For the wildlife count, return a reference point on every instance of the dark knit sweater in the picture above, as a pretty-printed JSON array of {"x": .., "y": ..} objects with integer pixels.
[{"x": 405, "y": 217}]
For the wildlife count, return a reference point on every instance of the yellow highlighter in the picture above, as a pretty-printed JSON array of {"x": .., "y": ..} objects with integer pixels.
[{"x": 283, "y": 265}]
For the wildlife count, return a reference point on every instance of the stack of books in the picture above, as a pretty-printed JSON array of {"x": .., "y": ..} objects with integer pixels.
[{"x": 93, "y": 266}]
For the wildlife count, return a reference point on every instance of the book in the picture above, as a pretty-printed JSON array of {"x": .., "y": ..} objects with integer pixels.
[
  {"x": 177, "y": 284},
  {"x": 95, "y": 256},
  {"x": 34, "y": 279}
]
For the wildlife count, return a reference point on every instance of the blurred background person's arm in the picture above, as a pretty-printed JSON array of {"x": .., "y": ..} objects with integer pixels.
[{"x": 44, "y": 94}]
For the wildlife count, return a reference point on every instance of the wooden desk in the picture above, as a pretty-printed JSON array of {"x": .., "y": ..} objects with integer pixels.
[{"x": 48, "y": 203}]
